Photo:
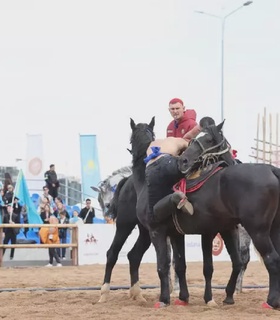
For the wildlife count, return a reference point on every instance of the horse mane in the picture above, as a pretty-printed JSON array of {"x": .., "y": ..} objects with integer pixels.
[
  {"x": 113, "y": 208},
  {"x": 140, "y": 141},
  {"x": 124, "y": 171}
]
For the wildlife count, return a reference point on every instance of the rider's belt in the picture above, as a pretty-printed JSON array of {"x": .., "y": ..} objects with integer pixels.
[{"x": 155, "y": 159}]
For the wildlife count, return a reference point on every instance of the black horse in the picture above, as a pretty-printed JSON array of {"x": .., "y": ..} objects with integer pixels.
[
  {"x": 246, "y": 193},
  {"x": 142, "y": 135}
]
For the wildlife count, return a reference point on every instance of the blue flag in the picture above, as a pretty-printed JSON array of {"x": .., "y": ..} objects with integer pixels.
[
  {"x": 89, "y": 164},
  {"x": 21, "y": 192}
]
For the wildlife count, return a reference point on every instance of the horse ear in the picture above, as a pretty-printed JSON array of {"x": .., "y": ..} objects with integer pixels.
[
  {"x": 132, "y": 124},
  {"x": 220, "y": 126},
  {"x": 95, "y": 189},
  {"x": 152, "y": 123},
  {"x": 130, "y": 151}
]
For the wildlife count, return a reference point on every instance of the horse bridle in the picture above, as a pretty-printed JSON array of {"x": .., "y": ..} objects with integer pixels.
[{"x": 207, "y": 156}]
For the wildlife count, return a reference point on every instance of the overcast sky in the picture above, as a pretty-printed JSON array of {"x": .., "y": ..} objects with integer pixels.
[{"x": 87, "y": 66}]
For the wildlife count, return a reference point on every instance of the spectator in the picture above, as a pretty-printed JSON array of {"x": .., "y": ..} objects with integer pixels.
[
  {"x": 42, "y": 205},
  {"x": 62, "y": 234},
  {"x": 8, "y": 181},
  {"x": 11, "y": 233},
  {"x": 76, "y": 218},
  {"x": 51, "y": 181},
  {"x": 17, "y": 207},
  {"x": 46, "y": 195},
  {"x": 9, "y": 194},
  {"x": 46, "y": 214},
  {"x": 2, "y": 204},
  {"x": 7, "y": 198},
  {"x": 184, "y": 124},
  {"x": 50, "y": 236},
  {"x": 60, "y": 209},
  {"x": 109, "y": 220},
  {"x": 87, "y": 213}
]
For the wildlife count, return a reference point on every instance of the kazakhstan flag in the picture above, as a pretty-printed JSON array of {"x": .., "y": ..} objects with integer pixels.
[
  {"x": 89, "y": 164},
  {"x": 21, "y": 192}
]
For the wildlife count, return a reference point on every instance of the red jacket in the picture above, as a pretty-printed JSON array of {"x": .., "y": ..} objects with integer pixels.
[{"x": 187, "y": 123}]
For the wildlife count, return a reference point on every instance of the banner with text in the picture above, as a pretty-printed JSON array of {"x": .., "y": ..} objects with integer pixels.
[{"x": 95, "y": 240}]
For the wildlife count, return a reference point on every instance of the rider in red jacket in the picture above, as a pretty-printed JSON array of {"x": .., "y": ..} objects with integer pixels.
[{"x": 184, "y": 124}]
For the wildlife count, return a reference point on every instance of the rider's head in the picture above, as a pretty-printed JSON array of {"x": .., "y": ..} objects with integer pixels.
[{"x": 176, "y": 108}]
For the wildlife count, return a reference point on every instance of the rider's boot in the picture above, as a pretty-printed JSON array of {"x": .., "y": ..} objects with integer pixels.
[{"x": 182, "y": 202}]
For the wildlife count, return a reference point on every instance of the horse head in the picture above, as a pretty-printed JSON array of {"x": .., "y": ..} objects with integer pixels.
[
  {"x": 208, "y": 147},
  {"x": 104, "y": 195},
  {"x": 142, "y": 135},
  {"x": 107, "y": 187}
]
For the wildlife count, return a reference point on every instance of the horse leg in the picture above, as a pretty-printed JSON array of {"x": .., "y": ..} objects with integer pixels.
[
  {"x": 206, "y": 244},
  {"x": 178, "y": 245},
  {"x": 231, "y": 240},
  {"x": 112, "y": 257},
  {"x": 271, "y": 259},
  {"x": 244, "y": 244},
  {"x": 135, "y": 256},
  {"x": 176, "y": 286},
  {"x": 275, "y": 237},
  {"x": 159, "y": 240}
]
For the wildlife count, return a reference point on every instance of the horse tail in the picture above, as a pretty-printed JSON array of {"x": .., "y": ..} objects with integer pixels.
[{"x": 113, "y": 209}]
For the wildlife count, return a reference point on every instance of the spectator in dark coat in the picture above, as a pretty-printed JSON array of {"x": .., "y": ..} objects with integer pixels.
[{"x": 87, "y": 213}]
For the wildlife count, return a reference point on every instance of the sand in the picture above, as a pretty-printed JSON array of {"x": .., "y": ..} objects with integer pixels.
[{"x": 83, "y": 304}]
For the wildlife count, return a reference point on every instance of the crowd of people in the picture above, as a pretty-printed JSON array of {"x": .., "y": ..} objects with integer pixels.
[{"x": 51, "y": 210}]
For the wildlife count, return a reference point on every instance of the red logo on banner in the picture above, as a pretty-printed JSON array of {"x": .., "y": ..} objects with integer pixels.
[
  {"x": 218, "y": 245},
  {"x": 90, "y": 239}
]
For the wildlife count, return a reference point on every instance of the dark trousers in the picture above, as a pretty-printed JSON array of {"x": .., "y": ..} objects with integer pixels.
[
  {"x": 53, "y": 191},
  {"x": 53, "y": 254},
  {"x": 10, "y": 235},
  {"x": 62, "y": 251},
  {"x": 161, "y": 176}
]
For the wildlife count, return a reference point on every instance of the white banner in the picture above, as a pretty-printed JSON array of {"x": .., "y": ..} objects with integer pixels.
[
  {"x": 96, "y": 239},
  {"x": 34, "y": 172}
]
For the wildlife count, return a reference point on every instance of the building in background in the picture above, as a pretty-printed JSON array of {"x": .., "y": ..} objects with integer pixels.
[{"x": 70, "y": 190}]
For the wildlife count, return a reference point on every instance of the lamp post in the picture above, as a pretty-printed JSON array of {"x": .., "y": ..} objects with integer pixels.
[{"x": 223, "y": 21}]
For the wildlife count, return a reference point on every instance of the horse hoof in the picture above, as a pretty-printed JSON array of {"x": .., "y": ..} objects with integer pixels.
[
  {"x": 105, "y": 290},
  {"x": 212, "y": 303},
  {"x": 103, "y": 298},
  {"x": 265, "y": 305},
  {"x": 179, "y": 302},
  {"x": 228, "y": 301},
  {"x": 159, "y": 305}
]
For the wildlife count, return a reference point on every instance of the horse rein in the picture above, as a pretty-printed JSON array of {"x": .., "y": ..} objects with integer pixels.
[{"x": 207, "y": 157}]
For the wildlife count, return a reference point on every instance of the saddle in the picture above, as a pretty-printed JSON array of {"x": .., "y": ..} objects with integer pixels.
[{"x": 198, "y": 178}]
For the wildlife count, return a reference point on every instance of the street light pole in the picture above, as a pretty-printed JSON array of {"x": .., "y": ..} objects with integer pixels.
[
  {"x": 222, "y": 66},
  {"x": 223, "y": 22}
]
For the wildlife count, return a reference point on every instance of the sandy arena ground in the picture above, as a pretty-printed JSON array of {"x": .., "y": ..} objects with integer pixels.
[{"x": 83, "y": 304}]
